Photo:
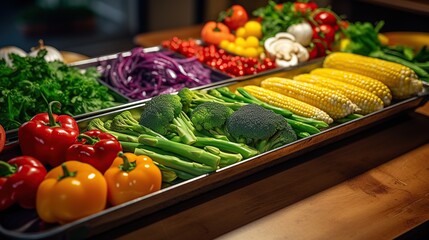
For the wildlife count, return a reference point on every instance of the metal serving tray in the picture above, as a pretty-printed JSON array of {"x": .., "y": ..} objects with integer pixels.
[
  {"x": 215, "y": 76},
  {"x": 18, "y": 223}
]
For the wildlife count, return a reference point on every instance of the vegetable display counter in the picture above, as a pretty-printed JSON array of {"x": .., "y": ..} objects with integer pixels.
[
  {"x": 213, "y": 204},
  {"x": 325, "y": 186}
]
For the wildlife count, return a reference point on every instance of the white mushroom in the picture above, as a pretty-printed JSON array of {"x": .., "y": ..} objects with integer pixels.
[
  {"x": 283, "y": 63},
  {"x": 302, "y": 32},
  {"x": 286, "y": 51},
  {"x": 285, "y": 35},
  {"x": 302, "y": 54}
]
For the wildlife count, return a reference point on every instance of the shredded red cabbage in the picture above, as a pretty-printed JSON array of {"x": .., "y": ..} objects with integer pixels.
[{"x": 143, "y": 75}]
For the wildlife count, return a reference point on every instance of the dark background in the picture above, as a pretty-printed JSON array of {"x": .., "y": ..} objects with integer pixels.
[{"x": 113, "y": 24}]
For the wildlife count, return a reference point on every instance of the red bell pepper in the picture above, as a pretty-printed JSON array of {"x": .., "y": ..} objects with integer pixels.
[
  {"x": 19, "y": 179},
  {"x": 47, "y": 136},
  {"x": 96, "y": 148}
]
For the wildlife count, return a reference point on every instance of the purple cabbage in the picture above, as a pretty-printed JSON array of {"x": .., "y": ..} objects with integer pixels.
[{"x": 143, "y": 75}]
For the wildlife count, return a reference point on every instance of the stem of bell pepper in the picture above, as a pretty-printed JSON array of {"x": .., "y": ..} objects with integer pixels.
[
  {"x": 216, "y": 28},
  {"x": 127, "y": 166},
  {"x": 52, "y": 122},
  {"x": 7, "y": 169},
  {"x": 89, "y": 140},
  {"x": 66, "y": 172}
]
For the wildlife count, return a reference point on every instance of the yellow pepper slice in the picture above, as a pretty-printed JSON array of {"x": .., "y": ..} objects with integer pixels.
[
  {"x": 131, "y": 176},
  {"x": 71, "y": 191}
]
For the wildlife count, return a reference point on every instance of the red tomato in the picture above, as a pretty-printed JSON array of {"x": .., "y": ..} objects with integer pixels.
[
  {"x": 234, "y": 17},
  {"x": 325, "y": 17},
  {"x": 313, "y": 52},
  {"x": 324, "y": 32},
  {"x": 316, "y": 49},
  {"x": 305, "y": 7}
]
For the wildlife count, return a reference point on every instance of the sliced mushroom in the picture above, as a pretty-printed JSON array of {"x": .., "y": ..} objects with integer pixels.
[
  {"x": 285, "y": 50},
  {"x": 284, "y": 63},
  {"x": 302, "y": 54},
  {"x": 285, "y": 35}
]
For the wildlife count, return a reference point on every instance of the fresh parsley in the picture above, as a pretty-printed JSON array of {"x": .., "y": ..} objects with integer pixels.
[{"x": 31, "y": 83}]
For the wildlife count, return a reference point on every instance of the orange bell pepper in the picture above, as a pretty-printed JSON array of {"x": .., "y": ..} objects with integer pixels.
[
  {"x": 71, "y": 191},
  {"x": 214, "y": 32},
  {"x": 131, "y": 176}
]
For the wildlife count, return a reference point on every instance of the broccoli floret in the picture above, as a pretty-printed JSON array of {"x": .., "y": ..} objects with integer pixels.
[
  {"x": 163, "y": 114},
  {"x": 186, "y": 95},
  {"x": 299, "y": 124},
  {"x": 159, "y": 115},
  {"x": 160, "y": 111},
  {"x": 211, "y": 117},
  {"x": 259, "y": 127},
  {"x": 280, "y": 138},
  {"x": 98, "y": 124},
  {"x": 127, "y": 124}
]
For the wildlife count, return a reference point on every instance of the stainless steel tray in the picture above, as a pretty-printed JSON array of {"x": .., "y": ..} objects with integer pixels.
[
  {"x": 23, "y": 224},
  {"x": 215, "y": 76}
]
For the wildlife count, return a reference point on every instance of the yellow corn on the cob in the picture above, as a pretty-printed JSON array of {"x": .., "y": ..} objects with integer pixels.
[
  {"x": 401, "y": 80},
  {"x": 295, "y": 106},
  {"x": 366, "y": 101},
  {"x": 370, "y": 84},
  {"x": 335, "y": 104}
]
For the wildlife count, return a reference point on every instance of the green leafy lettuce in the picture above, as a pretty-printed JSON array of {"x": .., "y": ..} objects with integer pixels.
[{"x": 31, "y": 83}]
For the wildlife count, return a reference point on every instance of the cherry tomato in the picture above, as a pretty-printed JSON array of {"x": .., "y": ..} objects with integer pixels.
[
  {"x": 269, "y": 63},
  {"x": 217, "y": 58},
  {"x": 305, "y": 7},
  {"x": 261, "y": 67},
  {"x": 234, "y": 17},
  {"x": 325, "y": 17}
]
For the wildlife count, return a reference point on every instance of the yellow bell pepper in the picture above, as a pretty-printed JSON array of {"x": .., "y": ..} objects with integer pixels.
[
  {"x": 131, "y": 176},
  {"x": 71, "y": 191}
]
